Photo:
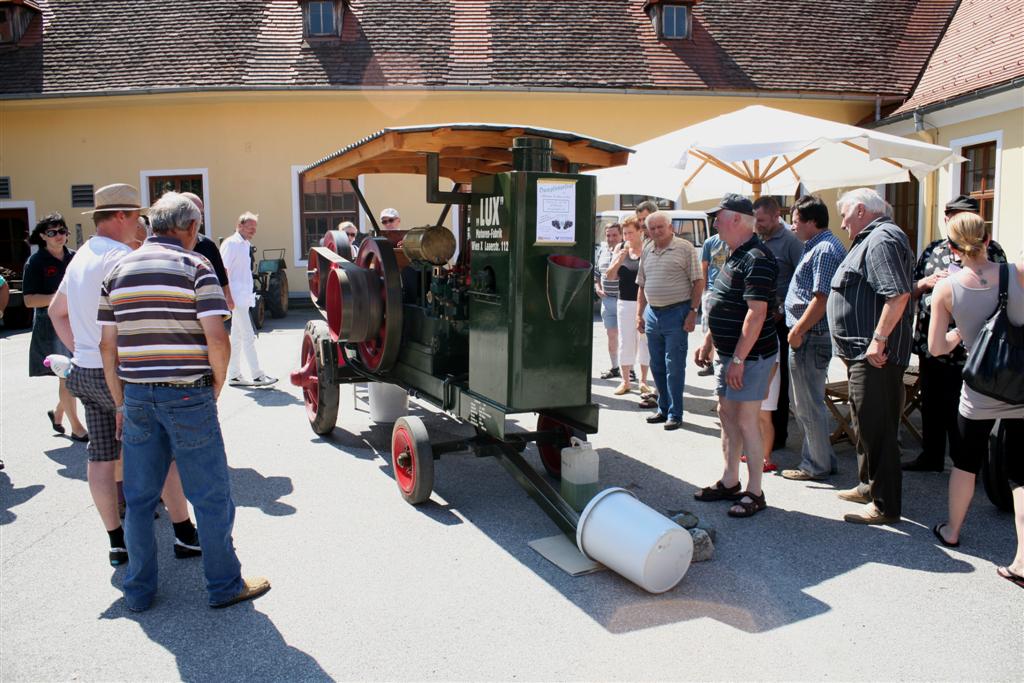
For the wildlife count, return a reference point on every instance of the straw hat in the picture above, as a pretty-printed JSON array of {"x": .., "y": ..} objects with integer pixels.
[{"x": 116, "y": 197}]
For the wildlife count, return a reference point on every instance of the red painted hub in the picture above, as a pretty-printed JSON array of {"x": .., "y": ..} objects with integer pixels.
[{"x": 402, "y": 460}]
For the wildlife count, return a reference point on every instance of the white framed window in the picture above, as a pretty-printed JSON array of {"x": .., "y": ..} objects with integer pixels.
[
  {"x": 318, "y": 206},
  {"x": 979, "y": 176},
  {"x": 154, "y": 183}
]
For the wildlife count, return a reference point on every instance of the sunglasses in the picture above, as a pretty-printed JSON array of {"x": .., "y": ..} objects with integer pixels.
[
  {"x": 388, "y": 220},
  {"x": 53, "y": 232}
]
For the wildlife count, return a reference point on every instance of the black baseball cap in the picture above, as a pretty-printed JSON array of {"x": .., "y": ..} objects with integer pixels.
[
  {"x": 734, "y": 202},
  {"x": 963, "y": 203}
]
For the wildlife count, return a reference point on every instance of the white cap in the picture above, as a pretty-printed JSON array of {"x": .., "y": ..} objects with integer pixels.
[{"x": 389, "y": 213}]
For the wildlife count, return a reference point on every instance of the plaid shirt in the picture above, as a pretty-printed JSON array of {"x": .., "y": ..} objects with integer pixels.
[{"x": 813, "y": 275}]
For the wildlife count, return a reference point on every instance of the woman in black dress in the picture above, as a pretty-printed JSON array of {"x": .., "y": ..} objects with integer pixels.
[{"x": 43, "y": 272}]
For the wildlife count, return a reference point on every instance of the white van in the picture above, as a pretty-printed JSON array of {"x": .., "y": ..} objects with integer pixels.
[{"x": 693, "y": 226}]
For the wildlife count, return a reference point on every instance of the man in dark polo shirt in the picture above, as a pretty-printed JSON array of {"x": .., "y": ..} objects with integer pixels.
[
  {"x": 742, "y": 330},
  {"x": 671, "y": 283},
  {"x": 165, "y": 354},
  {"x": 208, "y": 248},
  {"x": 869, "y": 317}
]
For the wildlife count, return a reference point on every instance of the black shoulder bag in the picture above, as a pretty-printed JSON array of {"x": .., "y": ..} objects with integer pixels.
[{"x": 995, "y": 365}]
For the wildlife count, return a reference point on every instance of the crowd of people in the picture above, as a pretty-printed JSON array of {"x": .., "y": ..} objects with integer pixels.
[{"x": 777, "y": 302}]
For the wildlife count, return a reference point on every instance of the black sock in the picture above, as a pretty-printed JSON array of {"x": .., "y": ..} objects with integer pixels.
[
  {"x": 116, "y": 537},
  {"x": 185, "y": 532}
]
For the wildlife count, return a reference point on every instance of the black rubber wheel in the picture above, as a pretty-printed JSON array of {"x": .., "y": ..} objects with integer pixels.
[
  {"x": 258, "y": 312},
  {"x": 320, "y": 392},
  {"x": 994, "y": 469},
  {"x": 277, "y": 294},
  {"x": 412, "y": 459}
]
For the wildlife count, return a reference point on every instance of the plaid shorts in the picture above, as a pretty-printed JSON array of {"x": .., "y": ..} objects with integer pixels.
[{"x": 90, "y": 387}]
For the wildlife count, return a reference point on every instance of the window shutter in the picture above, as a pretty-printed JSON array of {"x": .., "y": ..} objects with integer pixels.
[
  {"x": 5, "y": 187},
  {"x": 82, "y": 195}
]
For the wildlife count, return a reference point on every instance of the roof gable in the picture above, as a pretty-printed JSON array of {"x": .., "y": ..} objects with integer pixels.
[{"x": 108, "y": 46}]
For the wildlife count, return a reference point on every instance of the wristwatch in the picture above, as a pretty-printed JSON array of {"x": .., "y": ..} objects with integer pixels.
[
  {"x": 738, "y": 361},
  {"x": 880, "y": 337}
]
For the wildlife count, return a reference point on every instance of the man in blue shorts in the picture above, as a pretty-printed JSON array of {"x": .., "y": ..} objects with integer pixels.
[{"x": 743, "y": 333}]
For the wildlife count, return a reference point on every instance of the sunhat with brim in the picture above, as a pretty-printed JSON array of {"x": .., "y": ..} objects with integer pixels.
[{"x": 116, "y": 197}]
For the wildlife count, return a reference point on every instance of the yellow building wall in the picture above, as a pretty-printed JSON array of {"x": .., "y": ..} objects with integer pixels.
[
  {"x": 249, "y": 142},
  {"x": 1008, "y": 229}
]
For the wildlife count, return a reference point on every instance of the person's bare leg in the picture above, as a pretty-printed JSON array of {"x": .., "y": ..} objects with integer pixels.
[
  {"x": 69, "y": 407},
  {"x": 643, "y": 374},
  {"x": 1017, "y": 566},
  {"x": 174, "y": 495},
  {"x": 764, "y": 419},
  {"x": 104, "y": 492},
  {"x": 732, "y": 441},
  {"x": 624, "y": 371},
  {"x": 748, "y": 424},
  {"x": 961, "y": 491},
  {"x": 613, "y": 346}
]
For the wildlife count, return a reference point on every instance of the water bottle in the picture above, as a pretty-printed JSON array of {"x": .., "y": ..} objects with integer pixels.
[{"x": 60, "y": 365}]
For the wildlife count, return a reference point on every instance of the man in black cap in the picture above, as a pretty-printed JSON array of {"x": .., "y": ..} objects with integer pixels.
[{"x": 941, "y": 376}]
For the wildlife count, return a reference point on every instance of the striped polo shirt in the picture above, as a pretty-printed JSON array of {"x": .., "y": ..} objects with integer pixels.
[
  {"x": 667, "y": 275},
  {"x": 877, "y": 268},
  {"x": 156, "y": 296},
  {"x": 749, "y": 274}
]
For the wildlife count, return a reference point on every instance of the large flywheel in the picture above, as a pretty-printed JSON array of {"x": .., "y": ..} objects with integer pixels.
[{"x": 379, "y": 350}]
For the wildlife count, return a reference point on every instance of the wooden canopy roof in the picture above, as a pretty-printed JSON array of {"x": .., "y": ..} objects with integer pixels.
[{"x": 465, "y": 150}]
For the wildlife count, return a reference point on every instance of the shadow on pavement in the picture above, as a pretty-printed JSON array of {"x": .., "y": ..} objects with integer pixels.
[
  {"x": 249, "y": 488},
  {"x": 238, "y": 643},
  {"x": 71, "y": 458},
  {"x": 11, "y": 497},
  {"x": 272, "y": 397}
]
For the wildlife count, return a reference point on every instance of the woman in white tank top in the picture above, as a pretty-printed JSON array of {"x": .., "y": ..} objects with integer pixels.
[{"x": 969, "y": 297}]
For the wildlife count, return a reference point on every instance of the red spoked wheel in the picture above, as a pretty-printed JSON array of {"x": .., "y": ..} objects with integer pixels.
[
  {"x": 320, "y": 392},
  {"x": 551, "y": 453},
  {"x": 412, "y": 459},
  {"x": 379, "y": 352}
]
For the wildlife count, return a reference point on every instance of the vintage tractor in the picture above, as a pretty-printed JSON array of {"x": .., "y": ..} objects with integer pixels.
[
  {"x": 491, "y": 322},
  {"x": 270, "y": 282}
]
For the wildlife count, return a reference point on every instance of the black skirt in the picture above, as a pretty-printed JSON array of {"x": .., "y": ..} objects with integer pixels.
[{"x": 44, "y": 342}]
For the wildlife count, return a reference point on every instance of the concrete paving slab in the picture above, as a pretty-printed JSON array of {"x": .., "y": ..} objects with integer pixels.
[{"x": 366, "y": 587}]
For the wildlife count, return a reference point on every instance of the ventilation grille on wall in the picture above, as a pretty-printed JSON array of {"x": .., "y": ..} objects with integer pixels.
[
  {"x": 5, "y": 187},
  {"x": 81, "y": 195}
]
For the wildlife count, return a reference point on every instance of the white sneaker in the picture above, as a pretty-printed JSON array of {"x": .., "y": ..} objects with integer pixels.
[
  {"x": 263, "y": 381},
  {"x": 236, "y": 382}
]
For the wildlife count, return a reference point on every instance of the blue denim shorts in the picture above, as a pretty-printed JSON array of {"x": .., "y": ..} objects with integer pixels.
[
  {"x": 757, "y": 374},
  {"x": 608, "y": 315}
]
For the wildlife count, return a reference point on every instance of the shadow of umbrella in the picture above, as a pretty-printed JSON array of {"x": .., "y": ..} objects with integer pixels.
[
  {"x": 72, "y": 460},
  {"x": 249, "y": 488},
  {"x": 11, "y": 497}
]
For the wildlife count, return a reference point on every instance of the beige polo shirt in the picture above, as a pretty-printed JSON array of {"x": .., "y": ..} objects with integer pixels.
[{"x": 667, "y": 275}]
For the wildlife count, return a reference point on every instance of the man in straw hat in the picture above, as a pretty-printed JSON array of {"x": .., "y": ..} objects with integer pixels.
[{"x": 73, "y": 312}]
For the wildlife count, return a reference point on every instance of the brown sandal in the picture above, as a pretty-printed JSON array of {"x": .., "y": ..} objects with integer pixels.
[
  {"x": 719, "y": 491},
  {"x": 756, "y": 504}
]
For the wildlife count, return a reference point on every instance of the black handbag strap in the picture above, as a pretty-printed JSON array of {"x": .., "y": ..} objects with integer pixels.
[{"x": 1004, "y": 286}]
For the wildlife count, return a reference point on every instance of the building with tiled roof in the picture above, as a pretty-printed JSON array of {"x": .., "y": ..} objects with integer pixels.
[{"x": 230, "y": 98}]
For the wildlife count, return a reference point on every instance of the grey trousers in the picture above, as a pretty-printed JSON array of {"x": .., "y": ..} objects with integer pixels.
[{"x": 876, "y": 399}]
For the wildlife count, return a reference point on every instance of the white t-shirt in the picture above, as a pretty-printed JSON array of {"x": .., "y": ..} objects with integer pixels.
[
  {"x": 234, "y": 251},
  {"x": 81, "y": 285}
]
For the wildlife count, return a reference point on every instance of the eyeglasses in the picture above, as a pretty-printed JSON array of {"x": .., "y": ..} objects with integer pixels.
[
  {"x": 385, "y": 221},
  {"x": 351, "y": 235},
  {"x": 53, "y": 232}
]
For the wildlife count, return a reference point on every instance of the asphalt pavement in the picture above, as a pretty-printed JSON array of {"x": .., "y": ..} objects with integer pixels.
[{"x": 367, "y": 587}]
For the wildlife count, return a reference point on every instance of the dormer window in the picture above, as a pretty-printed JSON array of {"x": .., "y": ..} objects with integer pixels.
[
  {"x": 15, "y": 16},
  {"x": 671, "y": 20},
  {"x": 321, "y": 18}
]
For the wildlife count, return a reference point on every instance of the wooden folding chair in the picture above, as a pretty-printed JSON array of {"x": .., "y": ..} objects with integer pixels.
[
  {"x": 912, "y": 387},
  {"x": 838, "y": 394}
]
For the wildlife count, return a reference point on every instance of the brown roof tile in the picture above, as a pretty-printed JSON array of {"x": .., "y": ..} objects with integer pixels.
[
  {"x": 867, "y": 47},
  {"x": 983, "y": 47}
]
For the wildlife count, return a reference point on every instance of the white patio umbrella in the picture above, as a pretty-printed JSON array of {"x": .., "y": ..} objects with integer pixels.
[
  {"x": 663, "y": 182},
  {"x": 760, "y": 150}
]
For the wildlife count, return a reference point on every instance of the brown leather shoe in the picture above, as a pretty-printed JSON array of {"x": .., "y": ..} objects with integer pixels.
[
  {"x": 854, "y": 496},
  {"x": 251, "y": 589},
  {"x": 870, "y": 515}
]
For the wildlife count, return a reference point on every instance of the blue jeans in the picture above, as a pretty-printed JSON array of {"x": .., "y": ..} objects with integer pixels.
[
  {"x": 808, "y": 367},
  {"x": 667, "y": 342},
  {"x": 161, "y": 424}
]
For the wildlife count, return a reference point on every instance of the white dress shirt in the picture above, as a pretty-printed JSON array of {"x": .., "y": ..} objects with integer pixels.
[{"x": 235, "y": 252}]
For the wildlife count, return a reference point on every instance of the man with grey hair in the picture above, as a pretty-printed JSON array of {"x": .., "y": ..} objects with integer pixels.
[
  {"x": 870, "y": 321},
  {"x": 235, "y": 252},
  {"x": 165, "y": 355}
]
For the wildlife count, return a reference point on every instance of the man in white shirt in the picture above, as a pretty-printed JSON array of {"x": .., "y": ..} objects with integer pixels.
[
  {"x": 235, "y": 252},
  {"x": 73, "y": 313}
]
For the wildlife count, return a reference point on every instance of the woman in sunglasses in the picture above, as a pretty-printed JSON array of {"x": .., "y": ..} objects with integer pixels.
[{"x": 43, "y": 272}]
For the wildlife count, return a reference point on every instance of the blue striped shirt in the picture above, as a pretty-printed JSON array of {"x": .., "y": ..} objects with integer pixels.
[{"x": 813, "y": 275}]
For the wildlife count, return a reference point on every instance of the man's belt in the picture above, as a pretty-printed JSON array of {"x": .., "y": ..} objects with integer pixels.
[
  {"x": 659, "y": 309},
  {"x": 204, "y": 381}
]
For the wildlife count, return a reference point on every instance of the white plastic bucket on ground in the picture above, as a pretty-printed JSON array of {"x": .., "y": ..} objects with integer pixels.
[
  {"x": 634, "y": 540},
  {"x": 387, "y": 402}
]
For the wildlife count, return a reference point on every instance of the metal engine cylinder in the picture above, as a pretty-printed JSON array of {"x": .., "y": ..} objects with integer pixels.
[
  {"x": 433, "y": 244},
  {"x": 355, "y": 309}
]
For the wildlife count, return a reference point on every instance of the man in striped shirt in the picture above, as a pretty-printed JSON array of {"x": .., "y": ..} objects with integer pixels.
[
  {"x": 869, "y": 316},
  {"x": 608, "y": 292},
  {"x": 165, "y": 355}
]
